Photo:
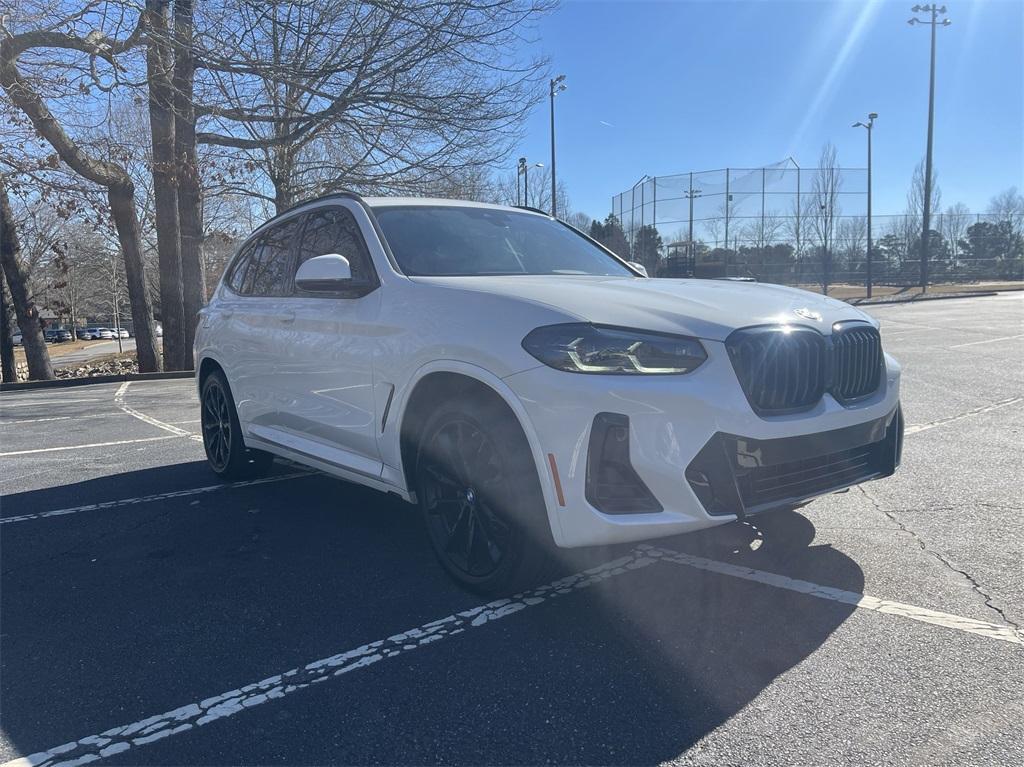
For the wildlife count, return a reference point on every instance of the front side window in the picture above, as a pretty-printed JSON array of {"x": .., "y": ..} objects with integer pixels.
[
  {"x": 270, "y": 265},
  {"x": 451, "y": 240},
  {"x": 335, "y": 230}
]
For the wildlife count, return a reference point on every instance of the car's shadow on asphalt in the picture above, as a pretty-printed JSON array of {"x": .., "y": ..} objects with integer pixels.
[{"x": 110, "y": 616}]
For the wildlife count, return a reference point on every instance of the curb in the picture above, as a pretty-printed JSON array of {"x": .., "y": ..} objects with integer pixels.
[
  {"x": 60, "y": 383},
  {"x": 918, "y": 299}
]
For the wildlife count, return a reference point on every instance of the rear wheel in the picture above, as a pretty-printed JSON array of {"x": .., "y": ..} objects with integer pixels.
[
  {"x": 480, "y": 499},
  {"x": 222, "y": 434}
]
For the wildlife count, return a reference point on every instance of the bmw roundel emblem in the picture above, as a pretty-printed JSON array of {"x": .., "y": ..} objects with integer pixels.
[{"x": 807, "y": 314}]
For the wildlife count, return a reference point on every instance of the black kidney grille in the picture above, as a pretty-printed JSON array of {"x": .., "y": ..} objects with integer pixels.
[
  {"x": 789, "y": 369},
  {"x": 856, "y": 362},
  {"x": 779, "y": 370}
]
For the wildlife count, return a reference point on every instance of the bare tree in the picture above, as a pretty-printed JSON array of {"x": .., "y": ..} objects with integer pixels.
[
  {"x": 952, "y": 224},
  {"x": 915, "y": 196},
  {"x": 312, "y": 97},
  {"x": 36, "y": 354},
  {"x": 852, "y": 237},
  {"x": 159, "y": 70},
  {"x": 189, "y": 186},
  {"x": 120, "y": 190},
  {"x": 1008, "y": 205},
  {"x": 8, "y": 362},
  {"x": 825, "y": 189}
]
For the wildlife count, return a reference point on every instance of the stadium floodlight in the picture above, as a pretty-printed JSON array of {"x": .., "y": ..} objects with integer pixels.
[
  {"x": 934, "y": 23},
  {"x": 557, "y": 86}
]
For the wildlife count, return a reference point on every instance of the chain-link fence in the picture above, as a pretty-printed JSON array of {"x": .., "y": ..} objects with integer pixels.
[{"x": 809, "y": 226}]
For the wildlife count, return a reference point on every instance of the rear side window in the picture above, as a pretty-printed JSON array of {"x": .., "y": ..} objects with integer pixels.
[
  {"x": 269, "y": 267},
  {"x": 237, "y": 277},
  {"x": 335, "y": 230}
]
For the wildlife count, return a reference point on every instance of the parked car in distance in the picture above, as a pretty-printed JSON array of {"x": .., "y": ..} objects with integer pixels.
[
  {"x": 526, "y": 387},
  {"x": 105, "y": 333},
  {"x": 159, "y": 330},
  {"x": 83, "y": 334},
  {"x": 16, "y": 338},
  {"x": 57, "y": 335},
  {"x": 122, "y": 333}
]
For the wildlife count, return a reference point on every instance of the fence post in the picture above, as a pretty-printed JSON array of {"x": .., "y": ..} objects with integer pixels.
[
  {"x": 728, "y": 200},
  {"x": 654, "y": 218}
]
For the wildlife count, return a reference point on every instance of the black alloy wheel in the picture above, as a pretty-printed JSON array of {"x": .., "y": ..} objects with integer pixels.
[
  {"x": 216, "y": 421},
  {"x": 462, "y": 477},
  {"x": 480, "y": 498},
  {"x": 222, "y": 434}
]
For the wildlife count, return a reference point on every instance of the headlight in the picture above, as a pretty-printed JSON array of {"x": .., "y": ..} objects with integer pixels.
[{"x": 581, "y": 348}]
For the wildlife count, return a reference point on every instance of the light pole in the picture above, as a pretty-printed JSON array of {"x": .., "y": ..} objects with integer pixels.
[
  {"x": 520, "y": 168},
  {"x": 933, "y": 22},
  {"x": 557, "y": 86},
  {"x": 523, "y": 170},
  {"x": 868, "y": 125}
]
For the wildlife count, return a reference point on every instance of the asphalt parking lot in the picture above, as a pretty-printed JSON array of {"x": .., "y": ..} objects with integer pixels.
[{"x": 151, "y": 615}]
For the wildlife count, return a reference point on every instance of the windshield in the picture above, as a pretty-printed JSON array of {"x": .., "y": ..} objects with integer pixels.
[{"x": 442, "y": 240}]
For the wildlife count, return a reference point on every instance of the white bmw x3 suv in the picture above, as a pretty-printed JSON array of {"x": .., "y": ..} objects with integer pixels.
[{"x": 525, "y": 387}]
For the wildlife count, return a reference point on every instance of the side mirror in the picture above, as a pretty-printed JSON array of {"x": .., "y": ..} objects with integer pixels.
[
  {"x": 324, "y": 274},
  {"x": 639, "y": 267}
]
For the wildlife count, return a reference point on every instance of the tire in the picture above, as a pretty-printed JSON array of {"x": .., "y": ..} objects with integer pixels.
[
  {"x": 480, "y": 499},
  {"x": 226, "y": 452}
]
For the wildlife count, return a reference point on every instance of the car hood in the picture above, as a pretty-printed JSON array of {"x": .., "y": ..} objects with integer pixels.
[{"x": 709, "y": 309}]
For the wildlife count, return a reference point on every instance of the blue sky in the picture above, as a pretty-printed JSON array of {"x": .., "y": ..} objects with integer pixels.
[{"x": 688, "y": 85}]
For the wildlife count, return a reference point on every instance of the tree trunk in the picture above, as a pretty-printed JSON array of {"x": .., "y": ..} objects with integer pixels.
[
  {"x": 7, "y": 361},
  {"x": 122, "y": 209},
  {"x": 190, "y": 207},
  {"x": 36, "y": 353},
  {"x": 165, "y": 196}
]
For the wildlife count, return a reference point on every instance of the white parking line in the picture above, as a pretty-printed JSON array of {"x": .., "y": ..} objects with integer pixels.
[
  {"x": 38, "y": 402},
  {"x": 57, "y": 418},
  {"x": 976, "y": 411},
  {"x": 987, "y": 341},
  {"x": 149, "y": 498},
  {"x": 196, "y": 714},
  {"x": 83, "y": 447},
  {"x": 998, "y": 631},
  {"x": 119, "y": 401}
]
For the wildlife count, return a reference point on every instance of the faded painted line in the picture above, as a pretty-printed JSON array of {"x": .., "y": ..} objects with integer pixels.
[
  {"x": 57, "y": 418},
  {"x": 998, "y": 631},
  {"x": 197, "y": 714},
  {"x": 83, "y": 447},
  {"x": 119, "y": 401},
  {"x": 42, "y": 402},
  {"x": 968, "y": 414},
  {"x": 987, "y": 341},
  {"x": 150, "y": 498}
]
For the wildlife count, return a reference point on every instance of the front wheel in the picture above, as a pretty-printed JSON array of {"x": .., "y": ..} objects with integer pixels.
[
  {"x": 222, "y": 434},
  {"x": 480, "y": 499}
]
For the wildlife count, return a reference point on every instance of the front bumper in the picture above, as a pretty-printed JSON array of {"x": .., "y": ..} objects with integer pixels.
[{"x": 672, "y": 419}]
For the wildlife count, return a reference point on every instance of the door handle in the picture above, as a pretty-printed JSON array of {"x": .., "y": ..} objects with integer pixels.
[{"x": 286, "y": 317}]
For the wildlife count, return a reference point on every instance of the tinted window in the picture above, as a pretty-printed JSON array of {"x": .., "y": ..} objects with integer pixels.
[
  {"x": 453, "y": 240},
  {"x": 270, "y": 265},
  {"x": 334, "y": 230}
]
